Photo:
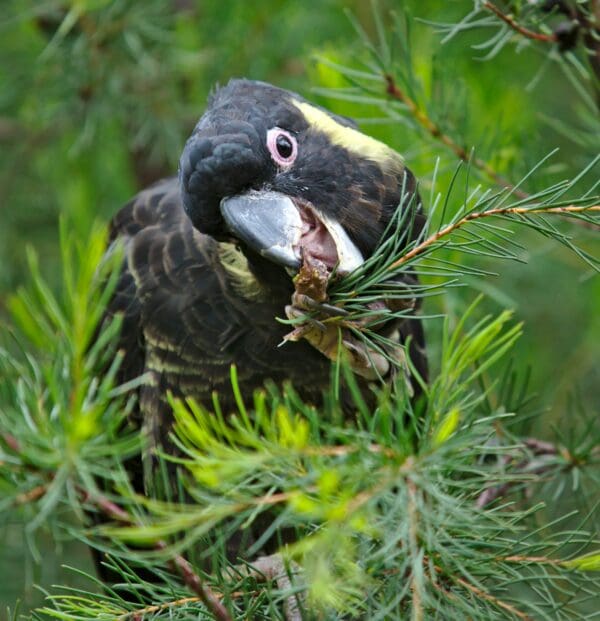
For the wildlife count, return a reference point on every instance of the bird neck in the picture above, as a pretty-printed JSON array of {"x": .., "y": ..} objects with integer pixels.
[
  {"x": 272, "y": 277},
  {"x": 253, "y": 277}
]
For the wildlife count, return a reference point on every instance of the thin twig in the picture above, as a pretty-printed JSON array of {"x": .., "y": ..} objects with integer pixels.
[
  {"x": 436, "y": 132},
  {"x": 140, "y": 612},
  {"x": 32, "y": 495},
  {"x": 109, "y": 508},
  {"x": 413, "y": 537},
  {"x": 114, "y": 512},
  {"x": 430, "y": 126},
  {"x": 195, "y": 583},
  {"x": 157, "y": 608},
  {"x": 178, "y": 562},
  {"x": 518, "y": 558},
  {"x": 512, "y": 23},
  {"x": 500, "y": 211},
  {"x": 483, "y": 594},
  {"x": 490, "y": 598},
  {"x": 11, "y": 442}
]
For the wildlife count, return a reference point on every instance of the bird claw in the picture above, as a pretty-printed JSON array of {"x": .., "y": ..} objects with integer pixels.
[
  {"x": 309, "y": 298},
  {"x": 303, "y": 329},
  {"x": 363, "y": 360},
  {"x": 304, "y": 302}
]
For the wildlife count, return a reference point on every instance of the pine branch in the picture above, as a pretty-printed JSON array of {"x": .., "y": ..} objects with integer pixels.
[
  {"x": 494, "y": 600},
  {"x": 394, "y": 91},
  {"x": 512, "y": 23},
  {"x": 580, "y": 29},
  {"x": 435, "y": 131},
  {"x": 177, "y": 562},
  {"x": 394, "y": 478},
  {"x": 195, "y": 584},
  {"x": 499, "y": 211},
  {"x": 392, "y": 487},
  {"x": 31, "y": 496},
  {"x": 140, "y": 613},
  {"x": 532, "y": 467},
  {"x": 413, "y": 540},
  {"x": 114, "y": 512}
]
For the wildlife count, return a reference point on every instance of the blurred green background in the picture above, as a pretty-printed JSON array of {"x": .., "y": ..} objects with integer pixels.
[{"x": 97, "y": 98}]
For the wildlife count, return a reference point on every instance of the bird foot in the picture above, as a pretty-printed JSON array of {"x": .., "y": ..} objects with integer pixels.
[
  {"x": 332, "y": 338},
  {"x": 331, "y": 333}
]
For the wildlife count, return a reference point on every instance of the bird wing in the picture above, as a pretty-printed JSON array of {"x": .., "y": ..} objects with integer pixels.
[{"x": 190, "y": 308}]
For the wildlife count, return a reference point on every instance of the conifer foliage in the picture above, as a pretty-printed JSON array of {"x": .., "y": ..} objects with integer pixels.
[{"x": 475, "y": 501}]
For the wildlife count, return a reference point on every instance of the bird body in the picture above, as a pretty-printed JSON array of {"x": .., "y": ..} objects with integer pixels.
[
  {"x": 265, "y": 181},
  {"x": 192, "y": 307}
]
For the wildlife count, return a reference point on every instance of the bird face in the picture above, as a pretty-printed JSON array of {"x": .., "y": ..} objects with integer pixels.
[{"x": 288, "y": 179}]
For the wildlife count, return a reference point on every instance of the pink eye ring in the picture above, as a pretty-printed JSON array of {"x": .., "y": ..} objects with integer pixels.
[{"x": 282, "y": 147}]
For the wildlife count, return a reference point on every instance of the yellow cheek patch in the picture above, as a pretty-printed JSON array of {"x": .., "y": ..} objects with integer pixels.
[
  {"x": 241, "y": 278},
  {"x": 351, "y": 139}
]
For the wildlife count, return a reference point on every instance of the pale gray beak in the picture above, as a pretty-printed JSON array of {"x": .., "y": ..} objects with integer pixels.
[{"x": 271, "y": 224}]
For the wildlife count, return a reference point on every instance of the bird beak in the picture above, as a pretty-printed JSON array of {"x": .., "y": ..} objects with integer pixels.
[
  {"x": 268, "y": 222},
  {"x": 284, "y": 231}
]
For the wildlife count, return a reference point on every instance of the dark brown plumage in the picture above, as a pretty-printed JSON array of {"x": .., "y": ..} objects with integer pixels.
[
  {"x": 195, "y": 298},
  {"x": 191, "y": 309}
]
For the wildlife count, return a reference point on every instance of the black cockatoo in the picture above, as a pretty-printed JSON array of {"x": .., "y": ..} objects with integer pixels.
[{"x": 266, "y": 181}]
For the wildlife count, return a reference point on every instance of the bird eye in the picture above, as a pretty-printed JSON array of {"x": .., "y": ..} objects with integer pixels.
[{"x": 282, "y": 146}]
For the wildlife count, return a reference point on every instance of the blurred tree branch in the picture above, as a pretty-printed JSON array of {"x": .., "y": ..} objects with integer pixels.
[
  {"x": 434, "y": 130},
  {"x": 510, "y": 21}
]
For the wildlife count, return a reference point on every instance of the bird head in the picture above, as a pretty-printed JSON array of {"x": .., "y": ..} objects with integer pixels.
[{"x": 286, "y": 178}]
